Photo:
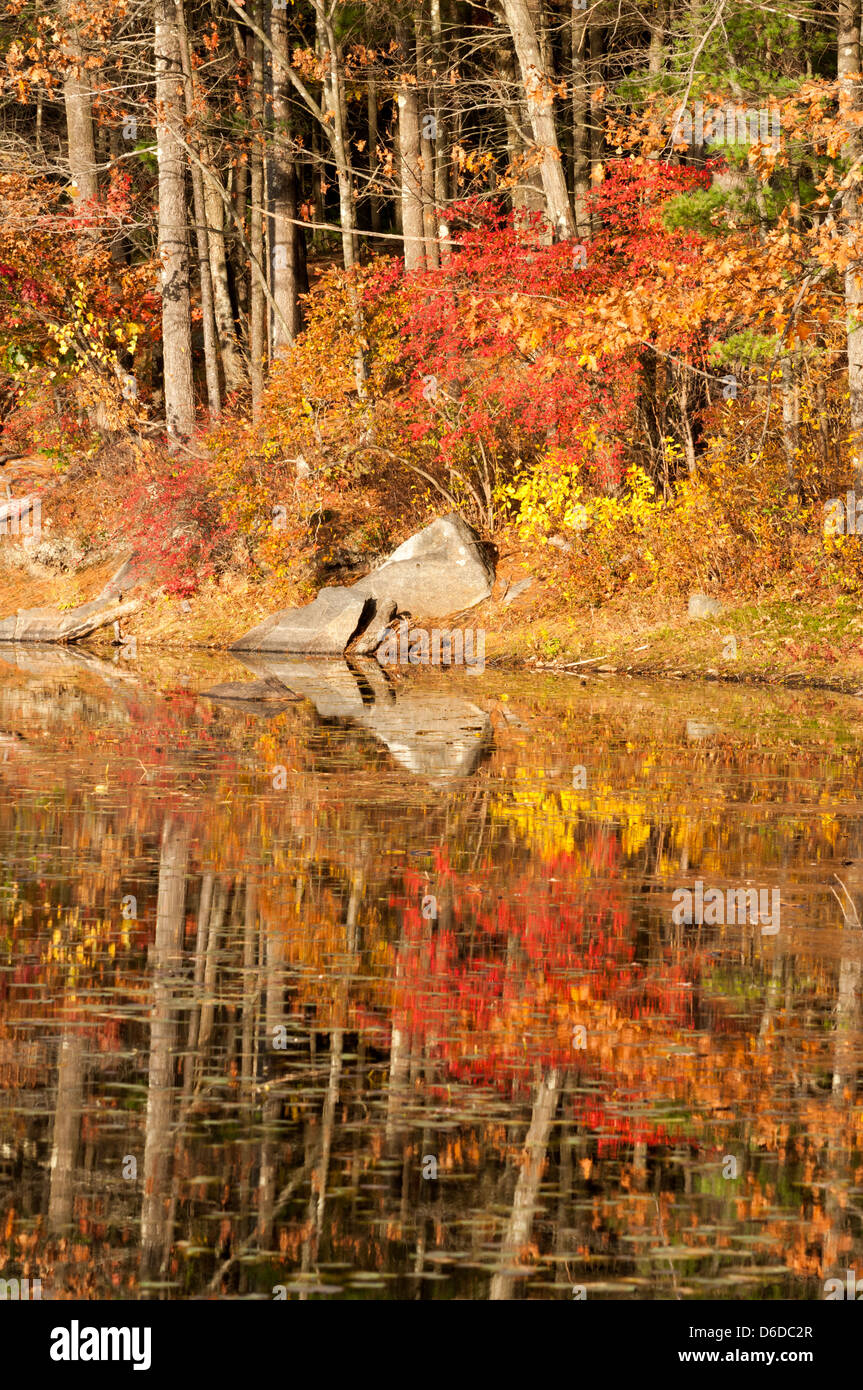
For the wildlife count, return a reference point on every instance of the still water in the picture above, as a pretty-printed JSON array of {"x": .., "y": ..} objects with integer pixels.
[{"x": 380, "y": 990}]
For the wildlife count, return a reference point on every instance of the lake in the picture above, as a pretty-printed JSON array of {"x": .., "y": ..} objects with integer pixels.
[{"x": 413, "y": 986}]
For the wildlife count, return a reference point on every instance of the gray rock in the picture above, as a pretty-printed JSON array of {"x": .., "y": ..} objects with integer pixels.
[
  {"x": 54, "y": 625},
  {"x": 60, "y": 554},
  {"x": 322, "y": 628},
  {"x": 368, "y": 643},
  {"x": 440, "y": 570},
  {"x": 703, "y": 606}
]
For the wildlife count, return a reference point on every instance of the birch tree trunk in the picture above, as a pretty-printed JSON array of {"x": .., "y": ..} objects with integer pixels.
[
  {"x": 540, "y": 102},
  {"x": 410, "y": 165},
  {"x": 173, "y": 247}
]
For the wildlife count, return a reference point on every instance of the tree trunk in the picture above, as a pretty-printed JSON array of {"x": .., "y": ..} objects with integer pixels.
[
  {"x": 538, "y": 92},
  {"x": 372, "y": 110},
  {"x": 441, "y": 183},
  {"x": 283, "y": 181},
  {"x": 428, "y": 139},
  {"x": 211, "y": 361},
  {"x": 334, "y": 102},
  {"x": 173, "y": 248},
  {"x": 79, "y": 118},
  {"x": 257, "y": 323},
  {"x": 656, "y": 52},
  {"x": 232, "y": 362},
  {"x": 850, "y": 97},
  {"x": 410, "y": 160},
  {"x": 580, "y": 120},
  {"x": 595, "y": 110},
  {"x": 240, "y": 200},
  {"x": 790, "y": 420},
  {"x": 318, "y": 183}
]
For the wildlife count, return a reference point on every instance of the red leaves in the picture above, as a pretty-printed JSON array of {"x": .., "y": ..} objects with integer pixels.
[{"x": 488, "y": 351}]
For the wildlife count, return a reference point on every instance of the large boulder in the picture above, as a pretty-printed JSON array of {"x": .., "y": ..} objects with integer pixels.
[
  {"x": 440, "y": 570},
  {"x": 322, "y": 628}
]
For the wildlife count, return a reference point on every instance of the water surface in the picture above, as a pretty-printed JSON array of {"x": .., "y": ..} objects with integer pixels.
[{"x": 379, "y": 992}]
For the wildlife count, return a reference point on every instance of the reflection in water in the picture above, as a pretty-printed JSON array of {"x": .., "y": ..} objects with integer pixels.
[
  {"x": 421, "y": 1024},
  {"x": 433, "y": 733}
]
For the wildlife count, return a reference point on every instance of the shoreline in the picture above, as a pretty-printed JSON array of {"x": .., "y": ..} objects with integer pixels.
[{"x": 532, "y": 622}]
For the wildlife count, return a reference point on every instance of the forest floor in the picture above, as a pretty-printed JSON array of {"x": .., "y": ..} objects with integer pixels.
[{"x": 783, "y": 636}]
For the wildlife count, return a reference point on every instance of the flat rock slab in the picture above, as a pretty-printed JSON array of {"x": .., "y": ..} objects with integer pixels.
[
  {"x": 440, "y": 570},
  {"x": 55, "y": 625},
  {"x": 322, "y": 628}
]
